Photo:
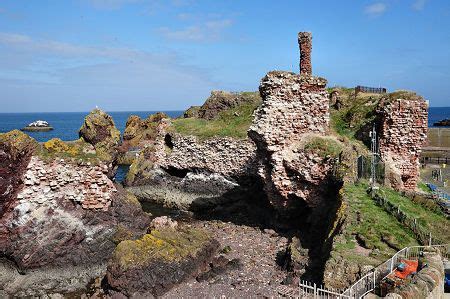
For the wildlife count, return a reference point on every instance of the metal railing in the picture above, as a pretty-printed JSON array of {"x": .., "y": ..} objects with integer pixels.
[
  {"x": 311, "y": 290},
  {"x": 370, "y": 280}
]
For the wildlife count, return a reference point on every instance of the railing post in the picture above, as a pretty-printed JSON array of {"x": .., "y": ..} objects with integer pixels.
[
  {"x": 315, "y": 291},
  {"x": 429, "y": 241}
]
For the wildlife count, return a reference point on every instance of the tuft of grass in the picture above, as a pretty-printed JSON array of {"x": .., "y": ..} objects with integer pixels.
[
  {"x": 232, "y": 123},
  {"x": 324, "y": 147}
]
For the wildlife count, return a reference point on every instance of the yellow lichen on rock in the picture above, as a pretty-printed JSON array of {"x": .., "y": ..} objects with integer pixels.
[
  {"x": 59, "y": 146},
  {"x": 165, "y": 244},
  {"x": 18, "y": 141}
]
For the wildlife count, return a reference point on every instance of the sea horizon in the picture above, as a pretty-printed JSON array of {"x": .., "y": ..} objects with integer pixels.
[
  {"x": 176, "y": 110},
  {"x": 67, "y": 124}
]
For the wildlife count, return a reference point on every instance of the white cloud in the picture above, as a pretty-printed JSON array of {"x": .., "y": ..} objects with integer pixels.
[
  {"x": 419, "y": 4},
  {"x": 207, "y": 31},
  {"x": 375, "y": 9},
  {"x": 117, "y": 78}
]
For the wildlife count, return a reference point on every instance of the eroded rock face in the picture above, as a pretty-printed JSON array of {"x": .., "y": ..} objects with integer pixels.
[
  {"x": 16, "y": 149},
  {"x": 159, "y": 260},
  {"x": 99, "y": 130},
  {"x": 191, "y": 112},
  {"x": 220, "y": 101},
  {"x": 225, "y": 156},
  {"x": 403, "y": 125}
]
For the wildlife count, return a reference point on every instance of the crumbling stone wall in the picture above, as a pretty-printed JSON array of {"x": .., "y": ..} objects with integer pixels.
[
  {"x": 403, "y": 125},
  {"x": 84, "y": 184},
  {"x": 294, "y": 106},
  {"x": 226, "y": 156}
]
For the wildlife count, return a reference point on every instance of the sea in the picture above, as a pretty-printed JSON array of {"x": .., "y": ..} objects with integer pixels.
[{"x": 67, "y": 124}]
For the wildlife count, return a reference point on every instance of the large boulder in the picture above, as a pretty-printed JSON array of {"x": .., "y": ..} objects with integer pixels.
[
  {"x": 138, "y": 131},
  {"x": 191, "y": 112},
  {"x": 159, "y": 260},
  {"x": 99, "y": 130}
]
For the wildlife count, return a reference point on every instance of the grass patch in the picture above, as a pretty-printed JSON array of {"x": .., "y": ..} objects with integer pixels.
[
  {"x": 433, "y": 221},
  {"x": 422, "y": 186},
  {"x": 233, "y": 123},
  {"x": 370, "y": 226}
]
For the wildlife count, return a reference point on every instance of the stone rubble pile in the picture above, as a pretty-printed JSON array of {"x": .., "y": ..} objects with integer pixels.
[
  {"x": 84, "y": 184},
  {"x": 403, "y": 132}
]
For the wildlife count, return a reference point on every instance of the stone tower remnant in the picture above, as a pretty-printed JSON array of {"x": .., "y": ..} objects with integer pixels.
[
  {"x": 305, "y": 44},
  {"x": 294, "y": 107},
  {"x": 403, "y": 125}
]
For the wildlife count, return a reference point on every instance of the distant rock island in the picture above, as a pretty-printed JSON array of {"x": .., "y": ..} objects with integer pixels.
[
  {"x": 443, "y": 123},
  {"x": 38, "y": 126}
]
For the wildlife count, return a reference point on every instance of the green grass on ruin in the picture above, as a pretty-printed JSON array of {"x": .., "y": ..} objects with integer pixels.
[
  {"x": 234, "y": 123},
  {"x": 324, "y": 146},
  {"x": 359, "y": 110}
]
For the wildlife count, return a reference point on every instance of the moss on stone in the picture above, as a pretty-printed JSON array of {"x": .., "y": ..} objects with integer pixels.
[
  {"x": 99, "y": 130},
  {"x": 132, "y": 199},
  {"x": 166, "y": 244},
  {"x": 122, "y": 234},
  {"x": 191, "y": 112},
  {"x": 138, "y": 130}
]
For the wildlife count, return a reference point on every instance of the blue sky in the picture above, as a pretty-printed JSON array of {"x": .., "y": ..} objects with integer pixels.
[{"x": 126, "y": 55}]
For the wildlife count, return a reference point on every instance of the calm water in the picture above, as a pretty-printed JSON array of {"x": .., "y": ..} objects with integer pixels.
[{"x": 65, "y": 124}]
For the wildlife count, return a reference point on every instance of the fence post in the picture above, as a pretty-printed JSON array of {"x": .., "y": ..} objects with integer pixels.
[
  {"x": 374, "y": 278},
  {"x": 429, "y": 241},
  {"x": 315, "y": 291}
]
